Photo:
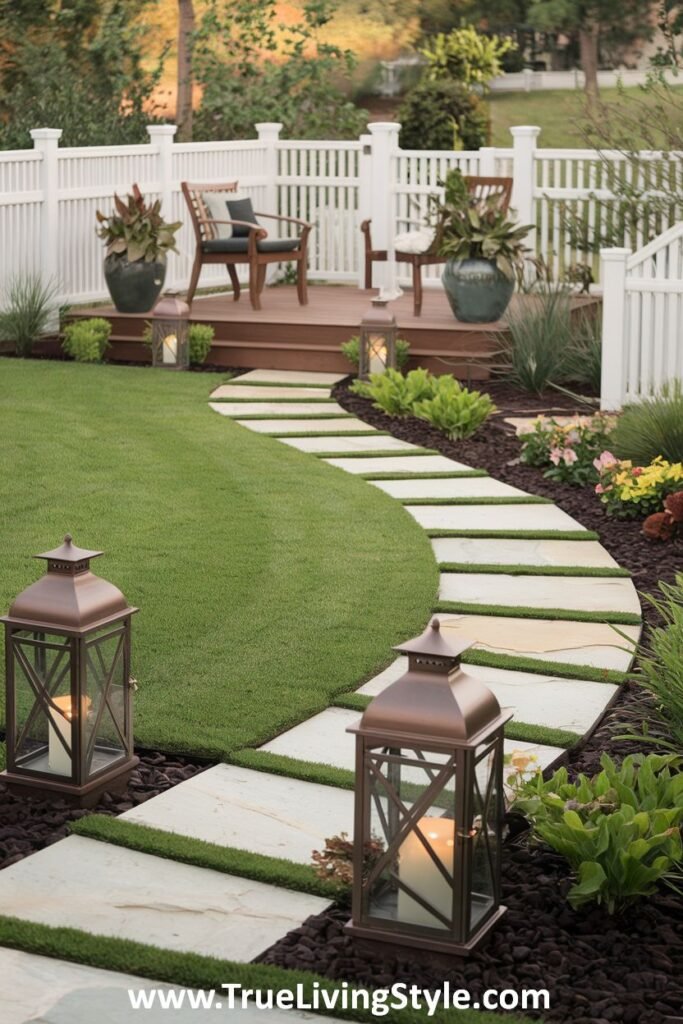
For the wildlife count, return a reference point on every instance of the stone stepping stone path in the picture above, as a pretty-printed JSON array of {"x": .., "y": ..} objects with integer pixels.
[{"x": 492, "y": 551}]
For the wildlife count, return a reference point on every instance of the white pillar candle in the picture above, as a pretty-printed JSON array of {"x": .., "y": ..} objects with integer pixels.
[
  {"x": 378, "y": 356},
  {"x": 417, "y": 869},
  {"x": 58, "y": 760},
  {"x": 170, "y": 349}
]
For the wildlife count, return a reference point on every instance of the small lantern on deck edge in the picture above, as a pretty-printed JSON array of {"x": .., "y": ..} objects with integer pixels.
[
  {"x": 429, "y": 787},
  {"x": 69, "y": 707},
  {"x": 170, "y": 333},
  {"x": 377, "y": 349}
]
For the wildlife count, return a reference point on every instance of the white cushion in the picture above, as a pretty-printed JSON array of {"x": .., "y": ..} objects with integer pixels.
[
  {"x": 216, "y": 204},
  {"x": 414, "y": 241}
]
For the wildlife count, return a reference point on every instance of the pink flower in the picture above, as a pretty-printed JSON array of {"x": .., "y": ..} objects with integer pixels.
[
  {"x": 569, "y": 456},
  {"x": 636, "y": 471},
  {"x": 604, "y": 461},
  {"x": 555, "y": 455},
  {"x": 599, "y": 489},
  {"x": 572, "y": 437}
]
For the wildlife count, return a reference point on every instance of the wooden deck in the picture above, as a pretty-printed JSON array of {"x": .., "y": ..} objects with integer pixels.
[{"x": 285, "y": 335}]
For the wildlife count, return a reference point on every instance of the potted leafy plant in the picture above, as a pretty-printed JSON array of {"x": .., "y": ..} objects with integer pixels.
[
  {"x": 137, "y": 239},
  {"x": 484, "y": 251}
]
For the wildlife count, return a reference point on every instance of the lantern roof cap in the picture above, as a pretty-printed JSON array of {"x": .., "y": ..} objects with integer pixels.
[
  {"x": 378, "y": 314},
  {"x": 171, "y": 307},
  {"x": 69, "y": 552},
  {"x": 433, "y": 643}
]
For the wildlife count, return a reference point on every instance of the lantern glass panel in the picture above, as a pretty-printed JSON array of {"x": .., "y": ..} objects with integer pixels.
[
  {"x": 377, "y": 353},
  {"x": 484, "y": 835},
  {"x": 105, "y": 699},
  {"x": 412, "y": 804},
  {"x": 42, "y": 703}
]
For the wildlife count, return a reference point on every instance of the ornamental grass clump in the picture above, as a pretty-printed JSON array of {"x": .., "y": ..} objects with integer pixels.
[
  {"x": 29, "y": 308},
  {"x": 620, "y": 830},
  {"x": 634, "y": 492},
  {"x": 660, "y": 666},
  {"x": 567, "y": 452},
  {"x": 653, "y": 427}
]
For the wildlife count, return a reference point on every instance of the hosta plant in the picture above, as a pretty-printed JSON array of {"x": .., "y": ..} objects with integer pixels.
[
  {"x": 393, "y": 393},
  {"x": 566, "y": 451},
  {"x": 619, "y": 830},
  {"x": 454, "y": 409},
  {"x": 137, "y": 230},
  {"x": 634, "y": 492}
]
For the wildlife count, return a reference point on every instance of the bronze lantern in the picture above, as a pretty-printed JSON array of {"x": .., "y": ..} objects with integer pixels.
[
  {"x": 429, "y": 803},
  {"x": 170, "y": 333},
  {"x": 377, "y": 348},
  {"x": 69, "y": 707}
]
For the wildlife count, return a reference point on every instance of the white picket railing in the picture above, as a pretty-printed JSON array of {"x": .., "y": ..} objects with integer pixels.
[
  {"x": 49, "y": 195},
  {"x": 642, "y": 333}
]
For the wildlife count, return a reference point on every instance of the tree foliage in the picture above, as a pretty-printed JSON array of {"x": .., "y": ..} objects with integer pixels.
[
  {"x": 443, "y": 115},
  {"x": 466, "y": 55}
]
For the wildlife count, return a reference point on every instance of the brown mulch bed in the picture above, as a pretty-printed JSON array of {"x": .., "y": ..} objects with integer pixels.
[{"x": 596, "y": 968}]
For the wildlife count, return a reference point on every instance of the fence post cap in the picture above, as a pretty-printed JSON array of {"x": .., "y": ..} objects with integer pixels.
[
  {"x": 615, "y": 254},
  {"x": 268, "y": 129},
  {"x": 162, "y": 129},
  {"x": 384, "y": 127},
  {"x": 46, "y": 133},
  {"x": 525, "y": 131}
]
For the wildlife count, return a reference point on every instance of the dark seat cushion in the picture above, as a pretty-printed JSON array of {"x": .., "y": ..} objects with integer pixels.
[
  {"x": 241, "y": 209},
  {"x": 242, "y": 245}
]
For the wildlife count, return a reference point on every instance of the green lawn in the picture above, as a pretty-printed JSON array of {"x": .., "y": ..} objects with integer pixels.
[
  {"x": 558, "y": 112},
  {"x": 267, "y": 581}
]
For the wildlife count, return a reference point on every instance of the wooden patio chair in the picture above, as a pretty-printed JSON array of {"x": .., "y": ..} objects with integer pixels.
[
  {"x": 479, "y": 188},
  {"x": 248, "y": 244}
]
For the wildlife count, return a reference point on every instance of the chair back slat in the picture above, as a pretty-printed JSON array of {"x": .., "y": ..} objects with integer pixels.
[
  {"x": 198, "y": 212},
  {"x": 484, "y": 188}
]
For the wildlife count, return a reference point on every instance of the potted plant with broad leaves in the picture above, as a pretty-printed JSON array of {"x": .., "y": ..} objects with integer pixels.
[
  {"x": 137, "y": 239},
  {"x": 484, "y": 250}
]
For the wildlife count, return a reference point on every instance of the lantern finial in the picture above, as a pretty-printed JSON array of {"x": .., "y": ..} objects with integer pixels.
[
  {"x": 436, "y": 624},
  {"x": 67, "y": 538}
]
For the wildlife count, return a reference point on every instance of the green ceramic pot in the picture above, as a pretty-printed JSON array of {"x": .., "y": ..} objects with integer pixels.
[
  {"x": 134, "y": 287},
  {"x": 478, "y": 292}
]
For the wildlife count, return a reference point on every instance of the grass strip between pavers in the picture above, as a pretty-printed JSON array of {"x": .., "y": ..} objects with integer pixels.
[
  {"x": 240, "y": 382},
  {"x": 196, "y": 971},
  {"x": 374, "y": 455},
  {"x": 530, "y": 499},
  {"x": 517, "y": 534},
  {"x": 292, "y": 416},
  {"x": 324, "y": 433},
  {"x": 524, "y": 731},
  {"x": 457, "y": 474},
  {"x": 291, "y": 767},
  {"x": 543, "y": 667},
  {"x": 514, "y": 611},
  {"x": 496, "y": 569},
  {"x": 282, "y": 401},
  {"x": 188, "y": 850}
]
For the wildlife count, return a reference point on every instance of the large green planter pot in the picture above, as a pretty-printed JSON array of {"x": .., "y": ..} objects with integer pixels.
[
  {"x": 478, "y": 292},
  {"x": 134, "y": 287}
]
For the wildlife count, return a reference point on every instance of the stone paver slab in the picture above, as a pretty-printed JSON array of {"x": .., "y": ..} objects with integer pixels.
[
  {"x": 492, "y": 517},
  {"x": 43, "y": 990},
  {"x": 324, "y": 739},
  {"x": 266, "y": 814},
  {"x": 504, "y": 551},
  {"x": 525, "y": 424},
  {"x": 109, "y": 890},
  {"x": 348, "y": 444},
  {"x": 275, "y": 408},
  {"x": 269, "y": 394},
  {"x": 405, "y": 464},
  {"x": 383, "y": 679},
  {"x": 570, "y": 592},
  {"x": 290, "y": 377},
  {"x": 577, "y": 643},
  {"x": 468, "y": 487},
  {"x": 295, "y": 426}
]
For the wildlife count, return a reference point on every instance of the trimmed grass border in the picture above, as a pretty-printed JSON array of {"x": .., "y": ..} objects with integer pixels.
[
  {"x": 228, "y": 859},
  {"x": 194, "y": 970},
  {"x": 323, "y": 433},
  {"x": 280, "y": 401},
  {"x": 494, "y": 569},
  {"x": 291, "y": 767},
  {"x": 543, "y": 667},
  {"x": 518, "y": 534},
  {"x": 514, "y": 611},
  {"x": 530, "y": 499},
  {"x": 374, "y": 455},
  {"x": 239, "y": 381},
  {"x": 457, "y": 474},
  {"x": 292, "y": 416}
]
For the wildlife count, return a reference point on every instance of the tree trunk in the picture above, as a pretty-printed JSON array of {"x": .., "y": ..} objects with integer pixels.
[
  {"x": 185, "y": 78},
  {"x": 588, "y": 49}
]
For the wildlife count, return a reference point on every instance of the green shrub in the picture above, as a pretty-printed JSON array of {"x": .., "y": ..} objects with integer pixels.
[
  {"x": 29, "y": 309},
  {"x": 454, "y": 409},
  {"x": 652, "y": 427},
  {"x": 200, "y": 337},
  {"x": 443, "y": 115},
  {"x": 351, "y": 349},
  {"x": 661, "y": 666},
  {"x": 393, "y": 393},
  {"x": 87, "y": 340},
  {"x": 619, "y": 830}
]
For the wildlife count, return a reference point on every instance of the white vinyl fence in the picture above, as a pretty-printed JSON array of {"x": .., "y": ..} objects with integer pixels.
[{"x": 642, "y": 333}]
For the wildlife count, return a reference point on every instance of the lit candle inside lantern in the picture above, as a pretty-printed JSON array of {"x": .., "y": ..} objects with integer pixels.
[
  {"x": 417, "y": 869},
  {"x": 170, "y": 349},
  {"x": 58, "y": 760},
  {"x": 378, "y": 355}
]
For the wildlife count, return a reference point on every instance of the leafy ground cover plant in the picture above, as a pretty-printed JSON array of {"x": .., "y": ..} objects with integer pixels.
[
  {"x": 29, "y": 309},
  {"x": 634, "y": 492},
  {"x": 454, "y": 409},
  {"x": 86, "y": 341},
  {"x": 351, "y": 349},
  {"x": 619, "y": 830},
  {"x": 652, "y": 427},
  {"x": 393, "y": 393},
  {"x": 567, "y": 452}
]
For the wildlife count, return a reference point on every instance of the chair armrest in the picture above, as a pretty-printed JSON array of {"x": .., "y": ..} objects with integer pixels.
[
  {"x": 262, "y": 233},
  {"x": 288, "y": 220}
]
